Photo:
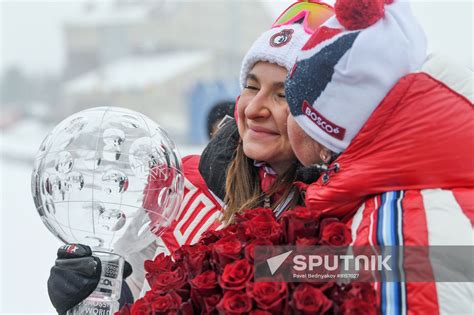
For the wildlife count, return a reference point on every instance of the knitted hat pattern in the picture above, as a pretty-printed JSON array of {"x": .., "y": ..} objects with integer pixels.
[
  {"x": 349, "y": 64},
  {"x": 278, "y": 45}
]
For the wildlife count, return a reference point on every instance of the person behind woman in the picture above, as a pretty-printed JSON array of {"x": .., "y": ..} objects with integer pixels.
[
  {"x": 249, "y": 163},
  {"x": 217, "y": 115},
  {"x": 394, "y": 144}
]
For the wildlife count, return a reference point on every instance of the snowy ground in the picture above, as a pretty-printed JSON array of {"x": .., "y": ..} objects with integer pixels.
[{"x": 28, "y": 249}]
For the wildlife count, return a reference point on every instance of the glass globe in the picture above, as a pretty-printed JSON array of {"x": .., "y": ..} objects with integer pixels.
[{"x": 104, "y": 172}]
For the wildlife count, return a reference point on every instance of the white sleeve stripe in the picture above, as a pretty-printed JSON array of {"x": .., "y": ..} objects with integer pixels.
[
  {"x": 444, "y": 215},
  {"x": 403, "y": 289},
  {"x": 448, "y": 225},
  {"x": 356, "y": 222},
  {"x": 208, "y": 206},
  {"x": 212, "y": 219},
  {"x": 191, "y": 192}
]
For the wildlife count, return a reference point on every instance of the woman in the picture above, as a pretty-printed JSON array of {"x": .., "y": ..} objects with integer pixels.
[
  {"x": 394, "y": 144},
  {"x": 261, "y": 170},
  {"x": 250, "y": 163}
]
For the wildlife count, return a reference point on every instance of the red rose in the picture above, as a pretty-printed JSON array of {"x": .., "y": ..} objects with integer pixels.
[
  {"x": 236, "y": 275},
  {"x": 323, "y": 286},
  {"x": 259, "y": 312},
  {"x": 206, "y": 304},
  {"x": 361, "y": 291},
  {"x": 226, "y": 250},
  {"x": 160, "y": 264},
  {"x": 165, "y": 304},
  {"x": 210, "y": 303},
  {"x": 205, "y": 283},
  {"x": 195, "y": 259},
  {"x": 125, "y": 310},
  {"x": 236, "y": 230},
  {"x": 263, "y": 226},
  {"x": 141, "y": 307},
  {"x": 172, "y": 281},
  {"x": 186, "y": 308},
  {"x": 306, "y": 241},
  {"x": 178, "y": 256},
  {"x": 337, "y": 294},
  {"x": 234, "y": 302},
  {"x": 310, "y": 300},
  {"x": 249, "y": 214},
  {"x": 358, "y": 307},
  {"x": 335, "y": 233},
  {"x": 210, "y": 237},
  {"x": 300, "y": 222},
  {"x": 269, "y": 296},
  {"x": 250, "y": 248}
]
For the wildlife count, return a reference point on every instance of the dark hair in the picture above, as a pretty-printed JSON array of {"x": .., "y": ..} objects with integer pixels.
[{"x": 217, "y": 113}]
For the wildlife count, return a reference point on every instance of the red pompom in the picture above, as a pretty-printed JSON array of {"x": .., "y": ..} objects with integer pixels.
[{"x": 359, "y": 14}]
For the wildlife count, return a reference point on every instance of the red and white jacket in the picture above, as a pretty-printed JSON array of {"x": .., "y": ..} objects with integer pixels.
[
  {"x": 407, "y": 179},
  {"x": 199, "y": 212}
]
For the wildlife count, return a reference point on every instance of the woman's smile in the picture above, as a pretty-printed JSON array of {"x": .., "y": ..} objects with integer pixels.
[{"x": 259, "y": 131}]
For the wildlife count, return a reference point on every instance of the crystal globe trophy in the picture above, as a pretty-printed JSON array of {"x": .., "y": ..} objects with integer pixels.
[{"x": 101, "y": 174}]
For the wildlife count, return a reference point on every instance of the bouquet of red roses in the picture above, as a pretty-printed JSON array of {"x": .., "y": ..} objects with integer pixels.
[{"x": 215, "y": 276}]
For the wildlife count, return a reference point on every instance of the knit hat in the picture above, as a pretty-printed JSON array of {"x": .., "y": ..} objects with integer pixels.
[
  {"x": 348, "y": 66},
  {"x": 278, "y": 45}
]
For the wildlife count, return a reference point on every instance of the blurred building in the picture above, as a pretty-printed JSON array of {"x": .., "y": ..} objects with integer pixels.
[{"x": 151, "y": 55}]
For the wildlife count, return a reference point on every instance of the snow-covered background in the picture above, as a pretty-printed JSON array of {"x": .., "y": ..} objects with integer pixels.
[{"x": 27, "y": 249}]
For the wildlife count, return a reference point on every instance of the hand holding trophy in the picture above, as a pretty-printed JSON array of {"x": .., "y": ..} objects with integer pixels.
[{"x": 91, "y": 176}]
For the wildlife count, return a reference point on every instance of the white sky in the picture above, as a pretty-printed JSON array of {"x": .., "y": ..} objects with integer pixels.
[{"x": 31, "y": 34}]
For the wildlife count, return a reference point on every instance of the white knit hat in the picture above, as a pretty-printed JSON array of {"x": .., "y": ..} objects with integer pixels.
[
  {"x": 349, "y": 65},
  {"x": 278, "y": 45}
]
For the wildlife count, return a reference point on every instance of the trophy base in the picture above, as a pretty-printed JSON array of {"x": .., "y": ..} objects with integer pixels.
[
  {"x": 104, "y": 299},
  {"x": 95, "y": 307}
]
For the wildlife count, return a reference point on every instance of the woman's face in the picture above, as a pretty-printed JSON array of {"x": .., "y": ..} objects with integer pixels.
[
  {"x": 262, "y": 116},
  {"x": 307, "y": 150}
]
